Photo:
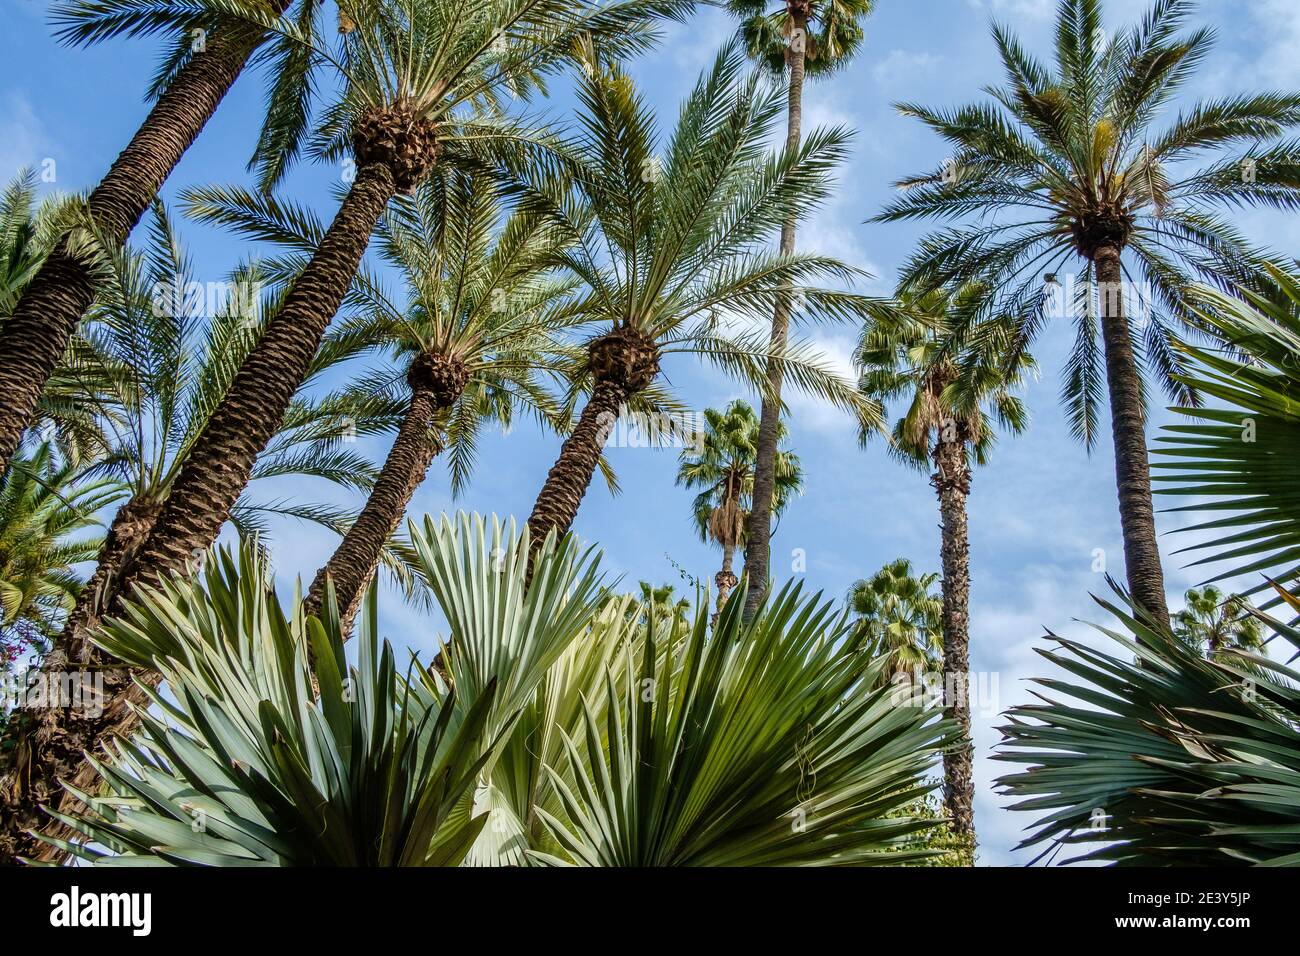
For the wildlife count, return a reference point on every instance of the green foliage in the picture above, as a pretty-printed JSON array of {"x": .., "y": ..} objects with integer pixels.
[
  {"x": 908, "y": 351},
  {"x": 722, "y": 466},
  {"x": 1164, "y": 757},
  {"x": 243, "y": 765},
  {"x": 1215, "y": 624},
  {"x": 1072, "y": 150},
  {"x": 899, "y": 618},
  {"x": 43, "y": 506},
  {"x": 671, "y": 238},
  {"x": 1238, "y": 461},
  {"x": 834, "y": 32}
]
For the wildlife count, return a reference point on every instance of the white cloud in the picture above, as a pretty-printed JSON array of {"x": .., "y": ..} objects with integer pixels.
[
  {"x": 901, "y": 65},
  {"x": 23, "y": 139}
]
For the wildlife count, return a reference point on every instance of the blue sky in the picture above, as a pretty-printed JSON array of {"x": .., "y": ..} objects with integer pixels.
[{"x": 1038, "y": 511}]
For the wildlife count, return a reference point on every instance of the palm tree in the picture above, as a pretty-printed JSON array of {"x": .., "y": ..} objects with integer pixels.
[
  {"x": 753, "y": 745},
  {"x": 899, "y": 619},
  {"x": 44, "y": 504},
  {"x": 721, "y": 464},
  {"x": 665, "y": 242},
  {"x": 1193, "y": 759},
  {"x": 420, "y": 89},
  {"x": 1215, "y": 624},
  {"x": 166, "y": 366},
  {"x": 952, "y": 396},
  {"x": 807, "y": 38},
  {"x": 209, "y": 52},
  {"x": 474, "y": 339},
  {"x": 1068, "y": 164}
]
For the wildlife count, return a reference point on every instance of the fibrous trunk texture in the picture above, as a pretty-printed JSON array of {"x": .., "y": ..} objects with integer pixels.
[
  {"x": 435, "y": 383},
  {"x": 35, "y": 336},
  {"x": 952, "y": 482},
  {"x": 43, "y": 745},
  {"x": 398, "y": 145},
  {"x": 622, "y": 363},
  {"x": 1146, "y": 581},
  {"x": 758, "y": 544}
]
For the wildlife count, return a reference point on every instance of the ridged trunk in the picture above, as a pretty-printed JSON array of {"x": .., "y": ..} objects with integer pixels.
[
  {"x": 952, "y": 482},
  {"x": 567, "y": 482},
  {"x": 220, "y": 462},
  {"x": 758, "y": 544},
  {"x": 34, "y": 338},
  {"x": 1146, "y": 580},
  {"x": 353, "y": 563},
  {"x": 41, "y": 745}
]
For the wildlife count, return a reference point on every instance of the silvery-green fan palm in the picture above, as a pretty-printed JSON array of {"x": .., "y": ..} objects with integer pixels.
[
  {"x": 241, "y": 764},
  {"x": 643, "y": 744}
]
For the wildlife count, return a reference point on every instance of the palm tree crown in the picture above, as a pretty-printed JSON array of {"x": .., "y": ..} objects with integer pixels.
[
  {"x": 833, "y": 30},
  {"x": 900, "y": 617}
]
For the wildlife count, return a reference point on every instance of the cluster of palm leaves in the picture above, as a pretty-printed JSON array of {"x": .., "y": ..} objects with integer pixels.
[{"x": 568, "y": 733}]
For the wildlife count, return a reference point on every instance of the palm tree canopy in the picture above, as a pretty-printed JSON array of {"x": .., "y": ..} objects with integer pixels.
[
  {"x": 1215, "y": 623},
  {"x": 44, "y": 504},
  {"x": 906, "y": 354},
  {"x": 721, "y": 464},
  {"x": 666, "y": 236},
  {"x": 833, "y": 28},
  {"x": 1069, "y": 157},
  {"x": 899, "y": 616}
]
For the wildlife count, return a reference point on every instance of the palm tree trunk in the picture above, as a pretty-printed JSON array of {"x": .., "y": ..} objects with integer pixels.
[
  {"x": 35, "y": 747},
  {"x": 567, "y": 481},
  {"x": 1146, "y": 581},
  {"x": 759, "y": 530},
  {"x": 220, "y": 462},
  {"x": 726, "y": 578},
  {"x": 353, "y": 563},
  {"x": 34, "y": 337},
  {"x": 952, "y": 482}
]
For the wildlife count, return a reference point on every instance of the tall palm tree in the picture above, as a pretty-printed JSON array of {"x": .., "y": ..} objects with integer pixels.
[
  {"x": 44, "y": 504},
  {"x": 421, "y": 84},
  {"x": 158, "y": 366},
  {"x": 665, "y": 242},
  {"x": 722, "y": 466},
  {"x": 209, "y": 52},
  {"x": 1068, "y": 164},
  {"x": 807, "y": 38},
  {"x": 474, "y": 337},
  {"x": 953, "y": 397},
  {"x": 1215, "y": 623},
  {"x": 899, "y": 618}
]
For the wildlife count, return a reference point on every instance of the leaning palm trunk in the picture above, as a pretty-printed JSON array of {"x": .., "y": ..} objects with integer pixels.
[
  {"x": 36, "y": 334},
  {"x": 435, "y": 383},
  {"x": 726, "y": 578},
  {"x": 623, "y": 363},
  {"x": 952, "y": 482},
  {"x": 759, "y": 530},
  {"x": 1146, "y": 582},
  {"x": 36, "y": 746},
  {"x": 220, "y": 462}
]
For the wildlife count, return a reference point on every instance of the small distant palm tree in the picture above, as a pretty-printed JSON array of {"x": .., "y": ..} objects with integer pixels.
[
  {"x": 953, "y": 399},
  {"x": 794, "y": 39},
  {"x": 44, "y": 504},
  {"x": 1067, "y": 164},
  {"x": 1215, "y": 624},
  {"x": 723, "y": 468},
  {"x": 667, "y": 240},
  {"x": 900, "y": 618}
]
